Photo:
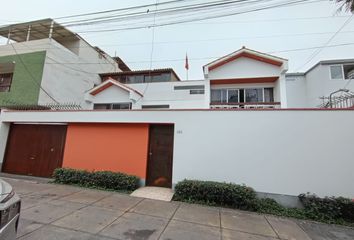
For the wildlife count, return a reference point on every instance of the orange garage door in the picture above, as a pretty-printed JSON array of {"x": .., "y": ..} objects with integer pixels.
[{"x": 109, "y": 147}]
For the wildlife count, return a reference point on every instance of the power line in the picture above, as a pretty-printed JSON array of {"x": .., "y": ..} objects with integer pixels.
[
  {"x": 205, "y": 17},
  {"x": 213, "y": 57},
  {"x": 315, "y": 53}
]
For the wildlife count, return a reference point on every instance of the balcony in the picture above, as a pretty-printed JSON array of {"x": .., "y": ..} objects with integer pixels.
[{"x": 248, "y": 105}]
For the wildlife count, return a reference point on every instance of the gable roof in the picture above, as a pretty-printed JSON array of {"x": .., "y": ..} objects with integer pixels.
[
  {"x": 248, "y": 53},
  {"x": 111, "y": 82}
]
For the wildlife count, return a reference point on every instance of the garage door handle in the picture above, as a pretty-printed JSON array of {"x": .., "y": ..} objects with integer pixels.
[{"x": 32, "y": 158}]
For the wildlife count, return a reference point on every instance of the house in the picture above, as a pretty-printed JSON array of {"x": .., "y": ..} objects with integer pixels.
[
  {"x": 147, "y": 89},
  {"x": 314, "y": 87},
  {"x": 247, "y": 79},
  {"x": 243, "y": 79},
  {"x": 45, "y": 63}
]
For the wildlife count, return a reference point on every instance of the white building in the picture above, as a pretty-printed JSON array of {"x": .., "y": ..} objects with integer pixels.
[
  {"x": 313, "y": 88},
  {"x": 45, "y": 63},
  {"x": 243, "y": 79}
]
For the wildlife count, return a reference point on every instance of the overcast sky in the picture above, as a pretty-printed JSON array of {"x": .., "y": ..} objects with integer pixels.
[{"x": 270, "y": 31}]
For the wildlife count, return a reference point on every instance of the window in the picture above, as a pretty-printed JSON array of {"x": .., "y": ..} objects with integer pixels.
[
  {"x": 109, "y": 106},
  {"x": 232, "y": 96},
  {"x": 336, "y": 72},
  {"x": 196, "y": 91},
  {"x": 219, "y": 95},
  {"x": 254, "y": 95},
  {"x": 250, "y": 95},
  {"x": 135, "y": 79},
  {"x": 5, "y": 82},
  {"x": 348, "y": 71},
  {"x": 155, "y": 106},
  {"x": 268, "y": 95}
]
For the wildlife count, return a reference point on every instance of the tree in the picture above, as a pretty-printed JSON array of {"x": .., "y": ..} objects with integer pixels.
[{"x": 347, "y": 4}]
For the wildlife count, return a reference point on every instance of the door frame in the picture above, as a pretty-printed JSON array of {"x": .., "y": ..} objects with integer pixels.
[{"x": 149, "y": 155}]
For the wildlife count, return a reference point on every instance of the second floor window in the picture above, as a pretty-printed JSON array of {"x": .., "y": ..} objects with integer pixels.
[
  {"x": 340, "y": 72},
  {"x": 5, "y": 82},
  {"x": 247, "y": 95}
]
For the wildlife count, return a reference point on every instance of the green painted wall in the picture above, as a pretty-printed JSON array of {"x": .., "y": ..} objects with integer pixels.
[{"x": 26, "y": 80}]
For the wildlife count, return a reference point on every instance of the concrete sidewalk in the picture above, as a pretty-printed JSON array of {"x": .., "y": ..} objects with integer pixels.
[{"x": 63, "y": 212}]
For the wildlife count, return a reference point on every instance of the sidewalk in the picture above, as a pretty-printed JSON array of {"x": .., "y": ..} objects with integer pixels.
[{"x": 64, "y": 212}]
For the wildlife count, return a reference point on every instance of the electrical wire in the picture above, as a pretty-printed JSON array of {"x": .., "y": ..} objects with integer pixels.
[{"x": 315, "y": 53}]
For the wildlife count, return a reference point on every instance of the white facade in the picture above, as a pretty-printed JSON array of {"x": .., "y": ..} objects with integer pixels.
[
  {"x": 250, "y": 70},
  {"x": 272, "y": 151},
  {"x": 304, "y": 90},
  {"x": 175, "y": 95}
]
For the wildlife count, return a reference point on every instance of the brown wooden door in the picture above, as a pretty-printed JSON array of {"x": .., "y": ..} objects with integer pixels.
[
  {"x": 160, "y": 156},
  {"x": 34, "y": 150}
]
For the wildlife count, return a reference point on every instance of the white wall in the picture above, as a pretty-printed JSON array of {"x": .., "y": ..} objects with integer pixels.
[
  {"x": 70, "y": 81},
  {"x": 159, "y": 93},
  {"x": 244, "y": 68},
  {"x": 296, "y": 91},
  {"x": 274, "y": 151},
  {"x": 305, "y": 92}
]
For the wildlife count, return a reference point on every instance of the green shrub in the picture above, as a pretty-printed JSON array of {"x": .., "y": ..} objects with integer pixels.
[
  {"x": 215, "y": 193},
  {"x": 100, "y": 179},
  {"x": 328, "y": 209}
]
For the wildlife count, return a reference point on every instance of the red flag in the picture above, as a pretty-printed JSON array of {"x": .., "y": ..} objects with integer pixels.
[{"x": 187, "y": 63}]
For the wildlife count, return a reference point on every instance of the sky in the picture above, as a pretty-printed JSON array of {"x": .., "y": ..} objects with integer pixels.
[{"x": 272, "y": 31}]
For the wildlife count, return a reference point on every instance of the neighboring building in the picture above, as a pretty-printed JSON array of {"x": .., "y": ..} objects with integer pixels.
[
  {"x": 147, "y": 89},
  {"x": 243, "y": 79},
  {"x": 313, "y": 88},
  {"x": 45, "y": 63}
]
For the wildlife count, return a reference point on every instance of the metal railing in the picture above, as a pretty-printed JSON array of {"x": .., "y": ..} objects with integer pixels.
[
  {"x": 344, "y": 101},
  {"x": 250, "y": 105}
]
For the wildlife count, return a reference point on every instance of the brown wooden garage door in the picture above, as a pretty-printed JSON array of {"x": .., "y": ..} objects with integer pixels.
[{"x": 34, "y": 150}]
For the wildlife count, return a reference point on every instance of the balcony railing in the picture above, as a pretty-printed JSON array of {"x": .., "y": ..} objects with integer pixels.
[{"x": 249, "y": 105}]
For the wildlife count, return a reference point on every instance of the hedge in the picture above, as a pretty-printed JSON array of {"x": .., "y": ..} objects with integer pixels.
[
  {"x": 100, "y": 179},
  {"x": 215, "y": 193},
  {"x": 328, "y": 210}
]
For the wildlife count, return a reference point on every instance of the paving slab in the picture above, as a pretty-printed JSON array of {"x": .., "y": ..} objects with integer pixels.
[
  {"x": 287, "y": 229},
  {"x": 27, "y": 226},
  {"x": 156, "y": 193},
  {"x": 156, "y": 208},
  {"x": 246, "y": 222},
  {"x": 189, "y": 231},
  {"x": 24, "y": 187},
  {"x": 319, "y": 231},
  {"x": 89, "y": 219},
  {"x": 29, "y": 201},
  {"x": 86, "y": 196},
  {"x": 118, "y": 201},
  {"x": 135, "y": 226},
  {"x": 236, "y": 235},
  {"x": 50, "y": 232},
  {"x": 198, "y": 214},
  {"x": 47, "y": 213},
  {"x": 58, "y": 191}
]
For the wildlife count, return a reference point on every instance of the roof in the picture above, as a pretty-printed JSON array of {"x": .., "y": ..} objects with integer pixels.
[
  {"x": 324, "y": 62},
  {"x": 246, "y": 52},
  {"x": 161, "y": 70},
  {"x": 121, "y": 64},
  {"x": 111, "y": 82},
  {"x": 39, "y": 30}
]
